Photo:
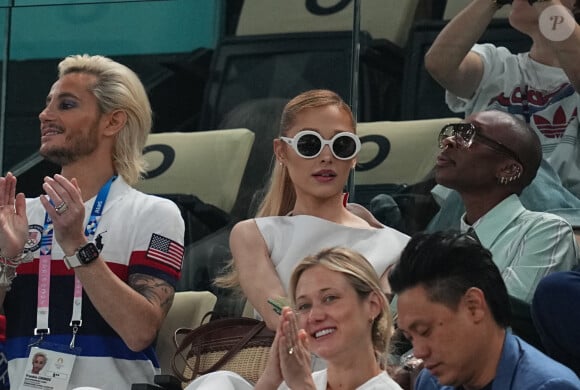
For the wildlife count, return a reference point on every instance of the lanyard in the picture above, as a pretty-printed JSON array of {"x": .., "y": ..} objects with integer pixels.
[{"x": 42, "y": 310}]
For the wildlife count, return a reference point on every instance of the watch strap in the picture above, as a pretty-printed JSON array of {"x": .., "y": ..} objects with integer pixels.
[
  {"x": 85, "y": 254},
  {"x": 72, "y": 261}
]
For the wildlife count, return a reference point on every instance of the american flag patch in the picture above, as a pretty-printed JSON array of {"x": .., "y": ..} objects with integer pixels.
[{"x": 165, "y": 251}]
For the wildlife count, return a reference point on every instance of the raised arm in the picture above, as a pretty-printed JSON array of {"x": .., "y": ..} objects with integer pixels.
[
  {"x": 13, "y": 228},
  {"x": 135, "y": 310},
  {"x": 449, "y": 60},
  {"x": 257, "y": 275},
  {"x": 567, "y": 51}
]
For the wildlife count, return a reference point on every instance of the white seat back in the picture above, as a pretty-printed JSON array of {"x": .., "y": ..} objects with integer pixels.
[
  {"x": 187, "y": 311},
  {"x": 412, "y": 148},
  {"x": 208, "y": 164},
  {"x": 387, "y": 19}
]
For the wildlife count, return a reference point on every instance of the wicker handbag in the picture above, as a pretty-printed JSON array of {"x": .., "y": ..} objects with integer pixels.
[{"x": 241, "y": 345}]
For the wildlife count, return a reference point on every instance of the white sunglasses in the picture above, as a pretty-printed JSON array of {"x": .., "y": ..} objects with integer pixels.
[{"x": 309, "y": 144}]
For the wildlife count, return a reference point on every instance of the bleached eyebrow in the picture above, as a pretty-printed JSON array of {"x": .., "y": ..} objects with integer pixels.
[{"x": 61, "y": 96}]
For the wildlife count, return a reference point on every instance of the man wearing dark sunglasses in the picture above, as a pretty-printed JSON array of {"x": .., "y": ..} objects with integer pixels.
[{"x": 489, "y": 160}]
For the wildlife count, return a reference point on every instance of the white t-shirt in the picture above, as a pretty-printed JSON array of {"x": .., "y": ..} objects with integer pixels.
[
  {"x": 540, "y": 94},
  {"x": 131, "y": 227}
]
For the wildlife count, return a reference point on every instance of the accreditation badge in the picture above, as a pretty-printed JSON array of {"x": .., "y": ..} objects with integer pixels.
[{"x": 47, "y": 369}]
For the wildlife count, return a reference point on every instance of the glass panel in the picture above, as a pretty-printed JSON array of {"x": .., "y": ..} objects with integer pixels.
[
  {"x": 148, "y": 36},
  {"x": 202, "y": 70},
  {"x": 393, "y": 176},
  {"x": 308, "y": 46},
  {"x": 4, "y": 20},
  {"x": 170, "y": 44},
  {"x": 21, "y": 3},
  {"x": 273, "y": 50},
  {"x": 112, "y": 28}
]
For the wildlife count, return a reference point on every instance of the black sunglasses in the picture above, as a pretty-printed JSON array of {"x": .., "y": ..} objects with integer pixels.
[{"x": 464, "y": 135}]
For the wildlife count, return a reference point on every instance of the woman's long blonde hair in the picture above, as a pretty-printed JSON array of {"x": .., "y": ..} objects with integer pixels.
[{"x": 281, "y": 195}]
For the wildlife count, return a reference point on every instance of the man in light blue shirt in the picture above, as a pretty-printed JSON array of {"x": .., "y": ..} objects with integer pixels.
[{"x": 489, "y": 159}]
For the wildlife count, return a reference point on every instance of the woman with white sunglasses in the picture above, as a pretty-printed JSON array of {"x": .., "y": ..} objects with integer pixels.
[{"x": 304, "y": 208}]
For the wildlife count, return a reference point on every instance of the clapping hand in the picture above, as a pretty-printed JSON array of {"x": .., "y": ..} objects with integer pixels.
[
  {"x": 64, "y": 204},
  {"x": 13, "y": 220},
  {"x": 294, "y": 353},
  {"x": 272, "y": 375}
]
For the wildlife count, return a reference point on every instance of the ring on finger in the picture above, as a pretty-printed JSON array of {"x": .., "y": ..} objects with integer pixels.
[
  {"x": 290, "y": 350},
  {"x": 61, "y": 208}
]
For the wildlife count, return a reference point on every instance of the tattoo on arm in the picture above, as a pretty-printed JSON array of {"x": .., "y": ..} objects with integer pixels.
[{"x": 155, "y": 290}]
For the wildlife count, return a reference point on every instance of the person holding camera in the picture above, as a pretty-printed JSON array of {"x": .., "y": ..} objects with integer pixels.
[{"x": 539, "y": 86}]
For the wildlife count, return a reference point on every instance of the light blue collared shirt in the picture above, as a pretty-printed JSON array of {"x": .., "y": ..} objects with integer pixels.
[{"x": 526, "y": 245}]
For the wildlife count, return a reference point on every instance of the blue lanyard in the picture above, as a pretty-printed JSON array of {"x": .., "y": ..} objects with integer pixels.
[
  {"x": 90, "y": 229},
  {"x": 45, "y": 260}
]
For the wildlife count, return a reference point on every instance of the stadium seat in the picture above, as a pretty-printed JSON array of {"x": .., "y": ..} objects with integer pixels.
[
  {"x": 187, "y": 311},
  {"x": 394, "y": 171},
  {"x": 383, "y": 19},
  {"x": 208, "y": 164},
  {"x": 246, "y": 69},
  {"x": 252, "y": 77},
  {"x": 398, "y": 152}
]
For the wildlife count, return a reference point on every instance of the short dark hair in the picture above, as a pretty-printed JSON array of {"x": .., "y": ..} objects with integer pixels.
[{"x": 447, "y": 264}]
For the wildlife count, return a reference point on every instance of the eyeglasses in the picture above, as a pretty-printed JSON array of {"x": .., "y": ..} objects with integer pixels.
[
  {"x": 464, "y": 135},
  {"x": 309, "y": 144}
]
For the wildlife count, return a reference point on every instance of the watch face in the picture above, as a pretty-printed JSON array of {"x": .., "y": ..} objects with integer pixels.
[{"x": 88, "y": 253}]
